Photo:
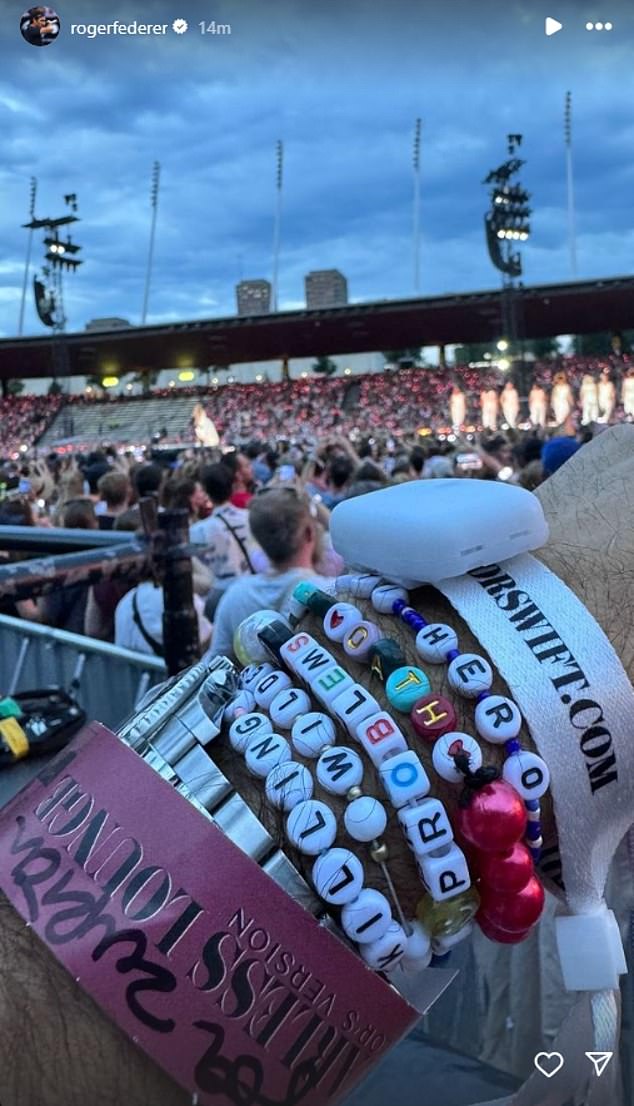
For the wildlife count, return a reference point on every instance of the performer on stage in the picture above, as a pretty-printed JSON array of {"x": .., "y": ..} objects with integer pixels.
[
  {"x": 457, "y": 406},
  {"x": 561, "y": 398},
  {"x": 607, "y": 396},
  {"x": 510, "y": 403},
  {"x": 627, "y": 393},
  {"x": 489, "y": 405},
  {"x": 204, "y": 427},
  {"x": 589, "y": 397},
  {"x": 537, "y": 405}
]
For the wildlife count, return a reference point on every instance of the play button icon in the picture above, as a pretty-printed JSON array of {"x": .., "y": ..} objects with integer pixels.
[{"x": 553, "y": 26}]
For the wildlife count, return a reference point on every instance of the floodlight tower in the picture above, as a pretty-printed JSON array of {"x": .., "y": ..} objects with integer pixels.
[
  {"x": 507, "y": 224},
  {"x": 60, "y": 257}
]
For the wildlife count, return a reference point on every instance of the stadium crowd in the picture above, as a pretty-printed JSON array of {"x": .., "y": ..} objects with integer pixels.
[
  {"x": 391, "y": 403},
  {"x": 252, "y": 547}
]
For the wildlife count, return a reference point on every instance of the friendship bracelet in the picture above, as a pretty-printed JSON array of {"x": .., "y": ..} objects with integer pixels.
[
  {"x": 492, "y": 820},
  {"x": 311, "y": 826},
  {"x": 451, "y": 903}
]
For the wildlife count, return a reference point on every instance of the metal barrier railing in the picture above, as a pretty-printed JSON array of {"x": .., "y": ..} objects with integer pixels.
[{"x": 108, "y": 682}]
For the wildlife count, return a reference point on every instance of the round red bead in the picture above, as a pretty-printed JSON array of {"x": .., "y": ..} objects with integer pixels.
[
  {"x": 516, "y": 912},
  {"x": 432, "y": 716},
  {"x": 495, "y": 819},
  {"x": 502, "y": 936},
  {"x": 506, "y": 872}
]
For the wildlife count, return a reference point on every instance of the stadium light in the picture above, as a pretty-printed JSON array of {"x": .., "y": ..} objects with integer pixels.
[
  {"x": 109, "y": 381},
  {"x": 504, "y": 364},
  {"x": 503, "y": 345},
  {"x": 186, "y": 375}
]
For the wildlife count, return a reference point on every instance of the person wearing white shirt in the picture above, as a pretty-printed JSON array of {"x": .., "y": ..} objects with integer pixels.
[{"x": 226, "y": 543}]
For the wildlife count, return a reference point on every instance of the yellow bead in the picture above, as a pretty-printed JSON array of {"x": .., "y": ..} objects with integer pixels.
[{"x": 443, "y": 919}]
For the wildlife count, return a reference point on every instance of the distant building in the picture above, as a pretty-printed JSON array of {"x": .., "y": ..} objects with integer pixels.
[
  {"x": 326, "y": 288},
  {"x": 254, "y": 297},
  {"x": 108, "y": 324}
]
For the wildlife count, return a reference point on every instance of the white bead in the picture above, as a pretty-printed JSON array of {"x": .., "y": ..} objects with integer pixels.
[
  {"x": 359, "y": 587},
  {"x": 287, "y": 706},
  {"x": 295, "y": 610},
  {"x": 252, "y": 673},
  {"x": 311, "y": 827},
  {"x": 312, "y": 733},
  {"x": 380, "y": 737},
  {"x": 243, "y": 703},
  {"x": 442, "y": 945},
  {"x": 449, "y": 745},
  {"x": 246, "y": 728},
  {"x": 403, "y": 778},
  {"x": 268, "y": 687},
  {"x": 527, "y": 773},
  {"x": 367, "y": 918},
  {"x": 433, "y": 642},
  {"x": 470, "y": 674},
  {"x": 288, "y": 784},
  {"x": 359, "y": 641},
  {"x": 339, "y": 619},
  {"x": 338, "y": 769},
  {"x": 313, "y": 663},
  {"x": 426, "y": 826},
  {"x": 384, "y": 954},
  {"x": 447, "y": 875},
  {"x": 265, "y": 752},
  {"x": 498, "y": 719},
  {"x": 384, "y": 597},
  {"x": 330, "y": 684},
  {"x": 353, "y": 705},
  {"x": 417, "y": 955},
  {"x": 295, "y": 648},
  {"x": 365, "y": 818},
  {"x": 338, "y": 876}
]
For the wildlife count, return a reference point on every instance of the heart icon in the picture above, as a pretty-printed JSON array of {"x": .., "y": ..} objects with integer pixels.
[
  {"x": 335, "y": 620},
  {"x": 549, "y": 1063}
]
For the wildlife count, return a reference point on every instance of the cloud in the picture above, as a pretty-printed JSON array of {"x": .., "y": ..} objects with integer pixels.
[{"x": 342, "y": 86}]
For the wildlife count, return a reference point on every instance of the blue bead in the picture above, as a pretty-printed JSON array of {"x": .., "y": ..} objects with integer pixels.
[
  {"x": 451, "y": 655},
  {"x": 533, "y": 831},
  {"x": 532, "y": 805},
  {"x": 513, "y": 746},
  {"x": 419, "y": 623},
  {"x": 483, "y": 695},
  {"x": 405, "y": 686},
  {"x": 398, "y": 605}
]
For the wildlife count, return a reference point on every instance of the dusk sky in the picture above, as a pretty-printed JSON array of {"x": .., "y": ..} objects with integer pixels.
[{"x": 341, "y": 83}]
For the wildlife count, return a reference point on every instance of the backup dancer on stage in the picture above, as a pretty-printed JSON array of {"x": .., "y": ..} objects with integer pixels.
[
  {"x": 607, "y": 396},
  {"x": 457, "y": 406},
  {"x": 510, "y": 403},
  {"x": 561, "y": 398},
  {"x": 489, "y": 404},
  {"x": 589, "y": 397},
  {"x": 537, "y": 405}
]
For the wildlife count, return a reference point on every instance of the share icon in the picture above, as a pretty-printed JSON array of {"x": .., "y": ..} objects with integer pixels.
[{"x": 599, "y": 1061}]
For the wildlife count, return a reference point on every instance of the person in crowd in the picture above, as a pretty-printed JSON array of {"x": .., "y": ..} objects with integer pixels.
[
  {"x": 556, "y": 452},
  {"x": 138, "y": 619},
  {"x": 65, "y": 608},
  {"x": 606, "y": 395},
  {"x": 115, "y": 492},
  {"x": 185, "y": 493},
  {"x": 227, "y": 547},
  {"x": 283, "y": 521},
  {"x": 96, "y": 466},
  {"x": 242, "y": 471},
  {"x": 147, "y": 480},
  {"x": 339, "y": 473}
]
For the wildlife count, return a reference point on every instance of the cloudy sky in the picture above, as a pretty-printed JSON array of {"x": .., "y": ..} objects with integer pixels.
[{"x": 341, "y": 83}]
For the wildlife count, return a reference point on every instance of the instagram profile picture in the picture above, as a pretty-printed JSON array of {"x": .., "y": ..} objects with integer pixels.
[{"x": 39, "y": 26}]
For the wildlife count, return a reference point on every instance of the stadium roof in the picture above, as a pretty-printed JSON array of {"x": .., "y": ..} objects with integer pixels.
[{"x": 548, "y": 310}]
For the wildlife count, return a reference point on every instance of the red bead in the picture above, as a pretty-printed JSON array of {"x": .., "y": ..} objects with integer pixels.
[
  {"x": 502, "y": 936},
  {"x": 506, "y": 872},
  {"x": 495, "y": 819},
  {"x": 432, "y": 716},
  {"x": 516, "y": 912}
]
